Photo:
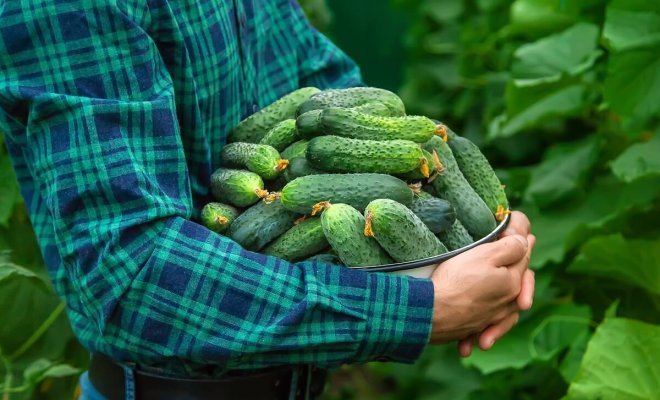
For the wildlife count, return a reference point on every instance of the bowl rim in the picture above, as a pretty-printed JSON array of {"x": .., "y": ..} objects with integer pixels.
[{"x": 423, "y": 262}]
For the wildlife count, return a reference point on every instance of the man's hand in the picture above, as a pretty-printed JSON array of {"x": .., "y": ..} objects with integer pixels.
[
  {"x": 519, "y": 225},
  {"x": 478, "y": 288}
]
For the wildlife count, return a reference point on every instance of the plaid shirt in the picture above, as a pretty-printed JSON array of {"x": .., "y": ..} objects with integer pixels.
[{"x": 114, "y": 113}]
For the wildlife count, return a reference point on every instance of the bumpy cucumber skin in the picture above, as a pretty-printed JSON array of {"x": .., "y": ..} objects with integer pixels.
[
  {"x": 299, "y": 242},
  {"x": 259, "y": 158},
  {"x": 296, "y": 149},
  {"x": 451, "y": 185},
  {"x": 343, "y": 226},
  {"x": 353, "y": 97},
  {"x": 401, "y": 233},
  {"x": 298, "y": 167},
  {"x": 477, "y": 171},
  {"x": 308, "y": 124},
  {"x": 253, "y": 128},
  {"x": 282, "y": 135},
  {"x": 218, "y": 217},
  {"x": 456, "y": 236},
  {"x": 260, "y": 224},
  {"x": 416, "y": 174},
  {"x": 374, "y": 108},
  {"x": 340, "y": 154},
  {"x": 236, "y": 187},
  {"x": 356, "y": 125},
  {"x": 356, "y": 190},
  {"x": 437, "y": 214}
]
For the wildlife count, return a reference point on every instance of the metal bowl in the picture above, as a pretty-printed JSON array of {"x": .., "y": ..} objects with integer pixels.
[{"x": 423, "y": 268}]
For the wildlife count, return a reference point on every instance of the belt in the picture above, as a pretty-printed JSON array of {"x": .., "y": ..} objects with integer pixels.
[{"x": 107, "y": 377}]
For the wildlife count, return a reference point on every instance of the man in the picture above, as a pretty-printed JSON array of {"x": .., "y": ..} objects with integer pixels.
[{"x": 115, "y": 112}]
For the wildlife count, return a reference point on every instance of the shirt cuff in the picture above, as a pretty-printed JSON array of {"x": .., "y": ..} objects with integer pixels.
[{"x": 400, "y": 312}]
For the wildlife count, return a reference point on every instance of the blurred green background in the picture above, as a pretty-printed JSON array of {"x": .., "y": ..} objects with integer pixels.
[{"x": 563, "y": 97}]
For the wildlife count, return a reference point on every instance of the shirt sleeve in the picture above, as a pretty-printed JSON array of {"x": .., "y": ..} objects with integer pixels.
[
  {"x": 322, "y": 63},
  {"x": 109, "y": 163}
]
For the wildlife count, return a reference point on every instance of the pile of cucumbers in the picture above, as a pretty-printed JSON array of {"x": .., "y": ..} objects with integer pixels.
[{"x": 345, "y": 176}]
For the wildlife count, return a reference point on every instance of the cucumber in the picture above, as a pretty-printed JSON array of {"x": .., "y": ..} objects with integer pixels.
[
  {"x": 400, "y": 232},
  {"x": 427, "y": 169},
  {"x": 343, "y": 226},
  {"x": 456, "y": 236},
  {"x": 353, "y": 97},
  {"x": 282, "y": 135},
  {"x": 477, "y": 171},
  {"x": 253, "y": 128},
  {"x": 308, "y": 124},
  {"x": 218, "y": 217},
  {"x": 451, "y": 185},
  {"x": 356, "y": 190},
  {"x": 261, "y": 159},
  {"x": 260, "y": 224},
  {"x": 374, "y": 108},
  {"x": 325, "y": 258},
  {"x": 356, "y": 125},
  {"x": 430, "y": 189},
  {"x": 298, "y": 167},
  {"x": 340, "y": 154},
  {"x": 237, "y": 187},
  {"x": 437, "y": 214},
  {"x": 299, "y": 242},
  {"x": 296, "y": 149}
]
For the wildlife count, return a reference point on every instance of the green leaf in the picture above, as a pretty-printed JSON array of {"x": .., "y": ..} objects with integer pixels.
[
  {"x": 632, "y": 24},
  {"x": 621, "y": 363},
  {"x": 632, "y": 86},
  {"x": 562, "y": 172},
  {"x": 442, "y": 11},
  {"x": 569, "y": 52},
  {"x": 21, "y": 289},
  {"x": 7, "y": 268},
  {"x": 632, "y": 261},
  {"x": 538, "y": 338},
  {"x": 539, "y": 17},
  {"x": 42, "y": 368},
  {"x": 528, "y": 106},
  {"x": 571, "y": 363},
  {"x": 632, "y": 32},
  {"x": 607, "y": 199},
  {"x": 612, "y": 309},
  {"x": 8, "y": 189},
  {"x": 638, "y": 161}
]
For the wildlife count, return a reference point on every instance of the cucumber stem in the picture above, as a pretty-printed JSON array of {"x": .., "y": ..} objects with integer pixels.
[
  {"x": 416, "y": 187},
  {"x": 501, "y": 213},
  {"x": 221, "y": 220},
  {"x": 437, "y": 162},
  {"x": 318, "y": 207},
  {"x": 424, "y": 167},
  {"x": 271, "y": 197},
  {"x": 368, "y": 231},
  {"x": 261, "y": 193},
  {"x": 441, "y": 131},
  {"x": 281, "y": 165}
]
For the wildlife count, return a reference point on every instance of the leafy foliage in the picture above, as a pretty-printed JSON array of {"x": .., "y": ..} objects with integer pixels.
[
  {"x": 37, "y": 346},
  {"x": 563, "y": 97}
]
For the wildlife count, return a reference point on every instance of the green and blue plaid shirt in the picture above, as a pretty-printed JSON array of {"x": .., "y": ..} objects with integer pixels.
[{"x": 115, "y": 112}]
